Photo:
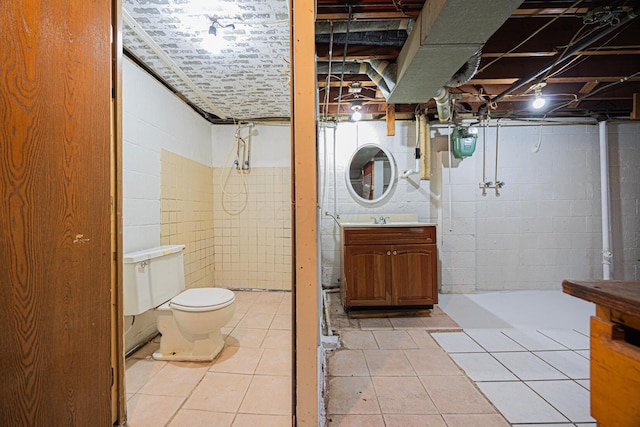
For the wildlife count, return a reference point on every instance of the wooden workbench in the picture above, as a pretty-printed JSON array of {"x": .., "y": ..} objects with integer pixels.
[{"x": 615, "y": 349}]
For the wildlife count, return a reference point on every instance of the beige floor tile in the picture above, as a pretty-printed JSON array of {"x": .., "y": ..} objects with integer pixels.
[
  {"x": 284, "y": 307},
  {"x": 423, "y": 339},
  {"x": 345, "y": 324},
  {"x": 268, "y": 395},
  {"x": 355, "y": 421},
  {"x": 456, "y": 395},
  {"x": 388, "y": 363},
  {"x": 432, "y": 362},
  {"x": 245, "y": 337},
  {"x": 253, "y": 420},
  {"x": 440, "y": 323},
  {"x": 276, "y": 338},
  {"x": 237, "y": 360},
  {"x": 195, "y": 418},
  {"x": 219, "y": 392},
  {"x": 144, "y": 410},
  {"x": 358, "y": 340},
  {"x": 394, "y": 340},
  {"x": 397, "y": 420},
  {"x": 406, "y": 323},
  {"x": 375, "y": 323},
  {"x": 352, "y": 395},
  {"x": 140, "y": 371},
  {"x": 256, "y": 320},
  {"x": 402, "y": 395},
  {"x": 347, "y": 363},
  {"x": 175, "y": 379},
  {"x": 263, "y": 308},
  {"x": 269, "y": 298},
  {"x": 147, "y": 350},
  {"x": 275, "y": 361},
  {"x": 475, "y": 420},
  {"x": 281, "y": 321}
]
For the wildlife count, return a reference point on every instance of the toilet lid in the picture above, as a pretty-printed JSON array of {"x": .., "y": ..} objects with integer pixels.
[{"x": 203, "y": 299}]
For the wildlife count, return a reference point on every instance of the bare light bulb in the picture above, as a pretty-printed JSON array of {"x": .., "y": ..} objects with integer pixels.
[
  {"x": 356, "y": 116},
  {"x": 538, "y": 102}
]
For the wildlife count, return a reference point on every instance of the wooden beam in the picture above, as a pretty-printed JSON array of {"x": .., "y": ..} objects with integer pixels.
[
  {"x": 588, "y": 87},
  {"x": 366, "y": 15},
  {"x": 635, "y": 113},
  {"x": 391, "y": 119}
]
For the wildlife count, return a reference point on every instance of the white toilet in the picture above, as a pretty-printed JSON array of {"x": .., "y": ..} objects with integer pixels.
[{"x": 189, "y": 320}]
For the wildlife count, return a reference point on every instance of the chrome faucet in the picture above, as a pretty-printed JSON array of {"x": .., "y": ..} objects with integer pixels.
[{"x": 381, "y": 220}]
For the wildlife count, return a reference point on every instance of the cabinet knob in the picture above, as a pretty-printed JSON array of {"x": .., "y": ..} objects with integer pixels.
[
  {"x": 388, "y": 252},
  {"x": 395, "y": 253}
]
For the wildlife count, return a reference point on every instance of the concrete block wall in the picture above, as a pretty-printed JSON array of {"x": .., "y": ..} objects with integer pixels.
[
  {"x": 409, "y": 195},
  {"x": 545, "y": 226},
  {"x": 154, "y": 119}
]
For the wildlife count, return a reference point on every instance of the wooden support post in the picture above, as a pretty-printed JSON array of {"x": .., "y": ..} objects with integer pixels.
[
  {"x": 391, "y": 119},
  {"x": 306, "y": 289}
]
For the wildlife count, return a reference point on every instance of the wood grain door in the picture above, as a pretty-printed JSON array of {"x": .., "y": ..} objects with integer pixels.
[
  {"x": 414, "y": 274},
  {"x": 55, "y": 271},
  {"x": 368, "y": 275}
]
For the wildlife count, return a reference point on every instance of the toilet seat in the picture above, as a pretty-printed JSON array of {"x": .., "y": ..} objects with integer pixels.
[{"x": 202, "y": 299}]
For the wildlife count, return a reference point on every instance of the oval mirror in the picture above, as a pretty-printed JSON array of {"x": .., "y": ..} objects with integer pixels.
[{"x": 370, "y": 174}]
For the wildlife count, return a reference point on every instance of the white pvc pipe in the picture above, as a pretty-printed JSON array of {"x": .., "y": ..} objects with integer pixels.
[{"x": 607, "y": 255}]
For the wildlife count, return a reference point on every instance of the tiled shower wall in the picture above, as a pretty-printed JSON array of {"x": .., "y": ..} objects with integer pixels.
[
  {"x": 252, "y": 228},
  {"x": 186, "y": 215}
]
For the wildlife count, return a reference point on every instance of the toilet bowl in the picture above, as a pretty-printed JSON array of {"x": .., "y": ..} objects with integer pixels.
[
  {"x": 190, "y": 324},
  {"x": 189, "y": 320}
]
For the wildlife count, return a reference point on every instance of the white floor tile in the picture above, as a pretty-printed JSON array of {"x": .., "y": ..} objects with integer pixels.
[
  {"x": 584, "y": 383},
  {"x": 533, "y": 340},
  {"x": 544, "y": 425},
  {"x": 482, "y": 367},
  {"x": 457, "y": 342},
  {"x": 526, "y": 366},
  {"x": 586, "y": 425},
  {"x": 568, "y": 338},
  {"x": 569, "y": 398},
  {"x": 568, "y": 362},
  {"x": 584, "y": 353},
  {"x": 494, "y": 340},
  {"x": 519, "y": 404}
]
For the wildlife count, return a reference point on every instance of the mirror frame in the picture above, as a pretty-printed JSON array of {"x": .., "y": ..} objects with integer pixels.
[{"x": 392, "y": 181}]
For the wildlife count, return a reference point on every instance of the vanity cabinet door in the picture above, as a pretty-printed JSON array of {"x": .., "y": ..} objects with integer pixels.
[
  {"x": 414, "y": 274},
  {"x": 368, "y": 274}
]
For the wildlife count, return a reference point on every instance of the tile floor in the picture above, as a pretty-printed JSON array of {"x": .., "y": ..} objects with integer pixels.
[
  {"x": 249, "y": 383},
  {"x": 522, "y": 359}
]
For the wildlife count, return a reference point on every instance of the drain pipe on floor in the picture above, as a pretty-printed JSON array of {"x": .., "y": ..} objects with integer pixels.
[{"x": 605, "y": 198}]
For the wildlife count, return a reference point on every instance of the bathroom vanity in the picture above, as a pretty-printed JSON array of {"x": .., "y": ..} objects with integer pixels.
[{"x": 388, "y": 265}]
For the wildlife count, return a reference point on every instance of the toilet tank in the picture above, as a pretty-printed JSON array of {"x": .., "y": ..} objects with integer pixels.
[{"x": 152, "y": 277}]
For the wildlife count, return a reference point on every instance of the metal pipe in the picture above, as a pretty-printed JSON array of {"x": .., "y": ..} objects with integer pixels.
[
  {"x": 607, "y": 255},
  {"x": 577, "y": 48}
]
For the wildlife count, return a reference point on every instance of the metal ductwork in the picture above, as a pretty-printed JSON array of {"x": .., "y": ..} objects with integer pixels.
[
  {"x": 364, "y": 26},
  {"x": 462, "y": 76},
  {"x": 446, "y": 34},
  {"x": 357, "y": 68}
]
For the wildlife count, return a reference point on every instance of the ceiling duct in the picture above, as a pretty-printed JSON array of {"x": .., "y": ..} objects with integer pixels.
[
  {"x": 364, "y": 26},
  {"x": 446, "y": 34},
  {"x": 360, "y": 68}
]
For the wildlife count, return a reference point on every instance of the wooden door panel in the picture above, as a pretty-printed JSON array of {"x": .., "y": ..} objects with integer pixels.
[
  {"x": 414, "y": 274},
  {"x": 55, "y": 276},
  {"x": 368, "y": 275}
]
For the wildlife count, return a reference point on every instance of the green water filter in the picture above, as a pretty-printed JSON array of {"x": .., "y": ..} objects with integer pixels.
[{"x": 464, "y": 142}]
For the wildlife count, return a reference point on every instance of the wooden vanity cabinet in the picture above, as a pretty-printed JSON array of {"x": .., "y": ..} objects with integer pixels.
[{"x": 389, "y": 266}]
